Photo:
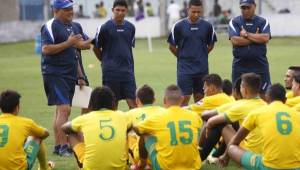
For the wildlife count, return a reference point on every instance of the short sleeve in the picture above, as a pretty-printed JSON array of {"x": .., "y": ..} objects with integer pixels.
[
  {"x": 233, "y": 29},
  {"x": 201, "y": 106},
  {"x": 148, "y": 126},
  {"x": 133, "y": 36},
  {"x": 99, "y": 38},
  {"x": 212, "y": 36},
  {"x": 36, "y": 130},
  {"x": 174, "y": 35},
  {"x": 77, "y": 124},
  {"x": 249, "y": 122},
  {"x": 265, "y": 27},
  {"x": 45, "y": 36},
  {"x": 234, "y": 114}
]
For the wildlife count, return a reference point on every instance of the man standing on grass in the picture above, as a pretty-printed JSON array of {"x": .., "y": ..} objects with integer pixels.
[
  {"x": 113, "y": 48},
  {"x": 61, "y": 37},
  {"x": 249, "y": 35},
  {"x": 191, "y": 39}
]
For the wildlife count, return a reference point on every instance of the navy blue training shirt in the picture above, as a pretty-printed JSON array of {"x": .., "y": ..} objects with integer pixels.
[
  {"x": 65, "y": 62},
  {"x": 116, "y": 42},
  {"x": 252, "y": 57},
  {"x": 191, "y": 41}
]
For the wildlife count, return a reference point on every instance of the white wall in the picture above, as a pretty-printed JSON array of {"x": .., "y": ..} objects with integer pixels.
[{"x": 149, "y": 26}]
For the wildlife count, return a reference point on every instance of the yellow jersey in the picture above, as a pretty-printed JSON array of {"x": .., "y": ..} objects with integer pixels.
[
  {"x": 105, "y": 133},
  {"x": 226, "y": 106},
  {"x": 177, "y": 133},
  {"x": 210, "y": 103},
  {"x": 289, "y": 94},
  {"x": 293, "y": 101},
  {"x": 297, "y": 107},
  {"x": 14, "y": 131},
  {"x": 136, "y": 116},
  {"x": 253, "y": 141},
  {"x": 280, "y": 129}
]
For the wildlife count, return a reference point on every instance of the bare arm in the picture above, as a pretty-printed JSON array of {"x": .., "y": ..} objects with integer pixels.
[
  {"x": 213, "y": 121},
  {"x": 98, "y": 53},
  {"x": 67, "y": 128},
  {"x": 239, "y": 41},
  {"x": 210, "y": 47},
  {"x": 84, "y": 45},
  {"x": 258, "y": 38},
  {"x": 208, "y": 114},
  {"x": 51, "y": 49},
  {"x": 173, "y": 49}
]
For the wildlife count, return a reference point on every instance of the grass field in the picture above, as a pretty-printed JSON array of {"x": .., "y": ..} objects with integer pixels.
[{"x": 20, "y": 70}]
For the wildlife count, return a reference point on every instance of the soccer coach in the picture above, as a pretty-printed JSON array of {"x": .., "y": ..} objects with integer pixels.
[{"x": 249, "y": 35}]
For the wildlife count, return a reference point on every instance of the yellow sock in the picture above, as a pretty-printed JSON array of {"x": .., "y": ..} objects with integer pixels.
[{"x": 42, "y": 157}]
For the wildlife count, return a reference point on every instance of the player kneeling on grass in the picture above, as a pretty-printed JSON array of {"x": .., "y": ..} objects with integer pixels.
[
  {"x": 171, "y": 139},
  {"x": 14, "y": 130},
  {"x": 99, "y": 137},
  {"x": 280, "y": 128},
  {"x": 145, "y": 98}
]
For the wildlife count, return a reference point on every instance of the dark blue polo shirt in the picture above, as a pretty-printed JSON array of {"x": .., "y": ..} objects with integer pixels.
[
  {"x": 116, "y": 42},
  {"x": 65, "y": 62},
  {"x": 253, "y": 57},
  {"x": 191, "y": 41}
]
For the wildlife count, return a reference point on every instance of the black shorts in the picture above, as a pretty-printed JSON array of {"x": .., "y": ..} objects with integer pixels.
[
  {"x": 265, "y": 79},
  {"x": 191, "y": 84},
  {"x": 59, "y": 90},
  {"x": 122, "y": 89}
]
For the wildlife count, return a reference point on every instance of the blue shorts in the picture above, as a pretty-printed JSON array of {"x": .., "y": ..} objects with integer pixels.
[
  {"x": 265, "y": 79},
  {"x": 191, "y": 84},
  {"x": 122, "y": 89},
  {"x": 59, "y": 90}
]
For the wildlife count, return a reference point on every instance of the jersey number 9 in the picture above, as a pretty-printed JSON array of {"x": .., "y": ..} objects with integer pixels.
[{"x": 3, "y": 135}]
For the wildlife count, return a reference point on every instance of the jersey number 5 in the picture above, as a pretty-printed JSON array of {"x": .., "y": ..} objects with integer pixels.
[
  {"x": 284, "y": 125},
  {"x": 107, "y": 131},
  {"x": 186, "y": 133},
  {"x": 3, "y": 135}
]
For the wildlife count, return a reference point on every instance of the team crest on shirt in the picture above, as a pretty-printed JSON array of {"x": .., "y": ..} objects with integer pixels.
[
  {"x": 120, "y": 30},
  {"x": 194, "y": 28}
]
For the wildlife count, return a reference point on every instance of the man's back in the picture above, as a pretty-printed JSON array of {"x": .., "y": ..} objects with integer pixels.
[
  {"x": 280, "y": 130},
  {"x": 175, "y": 133},
  {"x": 138, "y": 115},
  {"x": 104, "y": 139},
  {"x": 238, "y": 113},
  {"x": 13, "y": 133}
]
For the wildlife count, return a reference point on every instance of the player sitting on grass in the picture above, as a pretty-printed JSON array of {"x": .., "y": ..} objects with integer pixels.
[
  {"x": 217, "y": 125},
  {"x": 14, "y": 131},
  {"x": 144, "y": 99},
  {"x": 288, "y": 80},
  {"x": 292, "y": 102},
  {"x": 280, "y": 129},
  {"x": 99, "y": 137},
  {"x": 236, "y": 94},
  {"x": 214, "y": 95},
  {"x": 171, "y": 138}
]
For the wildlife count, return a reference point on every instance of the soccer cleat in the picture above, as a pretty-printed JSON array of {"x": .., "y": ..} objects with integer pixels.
[
  {"x": 56, "y": 150},
  {"x": 65, "y": 151},
  {"x": 50, "y": 164}
]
